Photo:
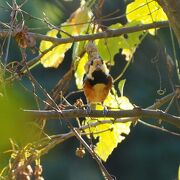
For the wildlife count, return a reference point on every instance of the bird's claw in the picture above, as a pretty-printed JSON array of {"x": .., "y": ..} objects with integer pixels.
[
  {"x": 88, "y": 110},
  {"x": 105, "y": 111}
]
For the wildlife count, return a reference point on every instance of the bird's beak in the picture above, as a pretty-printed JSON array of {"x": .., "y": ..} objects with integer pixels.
[{"x": 98, "y": 67}]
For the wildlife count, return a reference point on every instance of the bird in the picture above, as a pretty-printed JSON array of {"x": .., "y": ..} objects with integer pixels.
[{"x": 97, "y": 82}]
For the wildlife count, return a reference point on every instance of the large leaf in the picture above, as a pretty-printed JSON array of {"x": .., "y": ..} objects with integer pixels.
[
  {"x": 145, "y": 11},
  {"x": 75, "y": 25},
  {"x": 110, "y": 135},
  {"x": 109, "y": 47}
]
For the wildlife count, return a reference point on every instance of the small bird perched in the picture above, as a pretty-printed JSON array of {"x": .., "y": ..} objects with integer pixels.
[{"x": 97, "y": 80}]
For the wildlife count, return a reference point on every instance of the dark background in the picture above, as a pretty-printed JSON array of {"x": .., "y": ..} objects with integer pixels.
[{"x": 146, "y": 153}]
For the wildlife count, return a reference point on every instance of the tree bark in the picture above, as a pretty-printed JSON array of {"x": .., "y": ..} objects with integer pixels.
[{"x": 172, "y": 10}]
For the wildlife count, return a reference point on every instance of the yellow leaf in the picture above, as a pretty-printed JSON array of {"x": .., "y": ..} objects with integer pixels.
[
  {"x": 79, "y": 20},
  {"x": 47, "y": 44},
  {"x": 146, "y": 11},
  {"x": 110, "y": 135},
  {"x": 54, "y": 57},
  {"x": 79, "y": 74},
  {"x": 75, "y": 25},
  {"x": 179, "y": 173}
]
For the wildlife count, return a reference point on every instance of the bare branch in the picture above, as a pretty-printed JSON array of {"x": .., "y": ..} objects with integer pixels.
[
  {"x": 105, "y": 34},
  {"x": 162, "y": 101},
  {"x": 80, "y": 113},
  {"x": 159, "y": 128}
]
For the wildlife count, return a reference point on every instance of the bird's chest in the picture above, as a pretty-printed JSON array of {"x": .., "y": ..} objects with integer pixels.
[
  {"x": 96, "y": 93},
  {"x": 97, "y": 89}
]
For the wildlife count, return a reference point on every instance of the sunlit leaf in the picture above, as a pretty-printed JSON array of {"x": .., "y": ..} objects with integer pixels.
[
  {"x": 54, "y": 57},
  {"x": 110, "y": 135},
  {"x": 79, "y": 20},
  {"x": 179, "y": 173},
  {"x": 108, "y": 48},
  {"x": 145, "y": 11},
  {"x": 79, "y": 74},
  {"x": 75, "y": 25}
]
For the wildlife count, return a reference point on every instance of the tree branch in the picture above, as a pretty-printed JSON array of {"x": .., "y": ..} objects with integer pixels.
[
  {"x": 80, "y": 113},
  {"x": 105, "y": 34}
]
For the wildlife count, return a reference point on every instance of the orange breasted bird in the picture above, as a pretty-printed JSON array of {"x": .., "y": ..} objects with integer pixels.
[{"x": 97, "y": 81}]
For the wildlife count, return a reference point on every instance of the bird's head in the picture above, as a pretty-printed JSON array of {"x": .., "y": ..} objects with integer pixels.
[{"x": 95, "y": 65}]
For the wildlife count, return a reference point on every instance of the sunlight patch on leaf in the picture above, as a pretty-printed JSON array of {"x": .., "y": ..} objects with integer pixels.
[
  {"x": 145, "y": 11},
  {"x": 110, "y": 135}
]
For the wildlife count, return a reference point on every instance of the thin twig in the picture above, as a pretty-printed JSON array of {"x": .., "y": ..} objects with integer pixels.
[
  {"x": 162, "y": 101},
  {"x": 105, "y": 173},
  {"x": 158, "y": 128}
]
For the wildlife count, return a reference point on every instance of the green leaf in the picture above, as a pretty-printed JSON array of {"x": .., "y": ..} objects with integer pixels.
[
  {"x": 108, "y": 48},
  {"x": 121, "y": 86},
  {"x": 145, "y": 11},
  {"x": 109, "y": 135}
]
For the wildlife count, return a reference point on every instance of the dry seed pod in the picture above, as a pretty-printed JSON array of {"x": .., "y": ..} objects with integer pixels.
[
  {"x": 23, "y": 38},
  {"x": 80, "y": 152}
]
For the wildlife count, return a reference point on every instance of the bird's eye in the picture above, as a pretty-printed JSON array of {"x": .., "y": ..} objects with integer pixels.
[
  {"x": 102, "y": 61},
  {"x": 91, "y": 63}
]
